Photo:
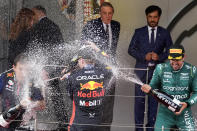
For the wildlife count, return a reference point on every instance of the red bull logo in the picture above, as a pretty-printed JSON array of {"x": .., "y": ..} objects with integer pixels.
[
  {"x": 91, "y": 85},
  {"x": 91, "y": 94}
]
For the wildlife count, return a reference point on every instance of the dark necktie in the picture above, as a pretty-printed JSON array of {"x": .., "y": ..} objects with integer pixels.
[
  {"x": 107, "y": 33},
  {"x": 152, "y": 36},
  {"x": 151, "y": 63}
]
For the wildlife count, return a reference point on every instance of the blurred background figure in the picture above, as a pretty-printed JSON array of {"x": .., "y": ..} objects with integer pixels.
[
  {"x": 47, "y": 40},
  {"x": 20, "y": 33},
  {"x": 46, "y": 33}
]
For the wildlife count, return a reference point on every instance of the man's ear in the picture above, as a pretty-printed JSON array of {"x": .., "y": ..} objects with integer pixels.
[
  {"x": 14, "y": 67},
  {"x": 184, "y": 56}
]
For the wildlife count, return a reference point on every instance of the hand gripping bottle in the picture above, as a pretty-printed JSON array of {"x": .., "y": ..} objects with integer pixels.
[
  {"x": 11, "y": 114},
  {"x": 169, "y": 101}
]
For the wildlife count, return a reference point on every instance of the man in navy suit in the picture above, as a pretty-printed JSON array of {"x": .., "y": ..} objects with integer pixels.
[
  {"x": 149, "y": 46},
  {"x": 104, "y": 32}
]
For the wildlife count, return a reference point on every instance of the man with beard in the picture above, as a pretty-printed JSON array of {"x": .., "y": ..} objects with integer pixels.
[
  {"x": 178, "y": 79},
  {"x": 149, "y": 46}
]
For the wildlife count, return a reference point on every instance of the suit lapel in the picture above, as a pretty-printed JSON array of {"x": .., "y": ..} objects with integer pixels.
[
  {"x": 115, "y": 31},
  {"x": 146, "y": 36},
  {"x": 101, "y": 25},
  {"x": 158, "y": 35}
]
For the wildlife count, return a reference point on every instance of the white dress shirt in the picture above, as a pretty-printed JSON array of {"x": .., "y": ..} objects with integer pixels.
[
  {"x": 110, "y": 33},
  {"x": 150, "y": 31}
]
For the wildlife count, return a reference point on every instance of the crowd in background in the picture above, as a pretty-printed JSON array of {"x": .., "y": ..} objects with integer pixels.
[{"x": 31, "y": 30}]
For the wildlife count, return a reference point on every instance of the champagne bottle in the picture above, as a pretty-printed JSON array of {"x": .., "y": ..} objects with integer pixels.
[
  {"x": 169, "y": 101},
  {"x": 11, "y": 114}
]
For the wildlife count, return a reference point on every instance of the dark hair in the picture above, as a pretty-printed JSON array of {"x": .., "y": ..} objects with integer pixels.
[
  {"x": 21, "y": 23},
  {"x": 153, "y": 8},
  {"x": 107, "y": 4},
  {"x": 87, "y": 53},
  {"x": 22, "y": 58},
  {"x": 40, "y": 8}
]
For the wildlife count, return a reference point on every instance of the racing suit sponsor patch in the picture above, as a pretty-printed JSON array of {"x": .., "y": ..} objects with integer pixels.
[
  {"x": 90, "y": 103},
  {"x": 183, "y": 96},
  {"x": 175, "y": 88},
  {"x": 91, "y": 94},
  {"x": 90, "y": 77}
]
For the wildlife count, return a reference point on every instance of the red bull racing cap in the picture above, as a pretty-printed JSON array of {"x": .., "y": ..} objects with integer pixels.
[{"x": 176, "y": 52}]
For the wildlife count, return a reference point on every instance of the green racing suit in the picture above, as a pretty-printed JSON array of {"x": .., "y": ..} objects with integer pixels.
[{"x": 182, "y": 85}]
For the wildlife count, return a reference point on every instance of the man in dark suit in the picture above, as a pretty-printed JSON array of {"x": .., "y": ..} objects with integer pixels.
[
  {"x": 47, "y": 38},
  {"x": 149, "y": 46},
  {"x": 46, "y": 31},
  {"x": 104, "y": 32}
]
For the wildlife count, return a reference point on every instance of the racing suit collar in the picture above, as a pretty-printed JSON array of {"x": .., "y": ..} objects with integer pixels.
[{"x": 88, "y": 66}]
